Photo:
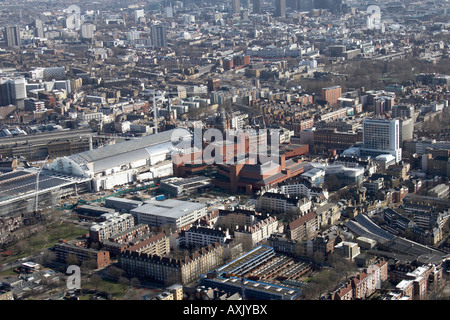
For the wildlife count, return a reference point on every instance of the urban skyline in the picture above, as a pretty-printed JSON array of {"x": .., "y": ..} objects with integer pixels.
[{"x": 243, "y": 150}]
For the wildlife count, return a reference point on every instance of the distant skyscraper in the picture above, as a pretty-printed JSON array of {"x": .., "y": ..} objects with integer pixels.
[
  {"x": 12, "y": 36},
  {"x": 139, "y": 14},
  {"x": 235, "y": 6},
  {"x": 306, "y": 5},
  {"x": 257, "y": 6},
  {"x": 87, "y": 31},
  {"x": 159, "y": 36},
  {"x": 38, "y": 28},
  {"x": 293, "y": 4},
  {"x": 381, "y": 136},
  {"x": 168, "y": 12},
  {"x": 280, "y": 8}
]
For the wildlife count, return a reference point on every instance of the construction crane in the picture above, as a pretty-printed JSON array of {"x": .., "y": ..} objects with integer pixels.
[{"x": 161, "y": 97}]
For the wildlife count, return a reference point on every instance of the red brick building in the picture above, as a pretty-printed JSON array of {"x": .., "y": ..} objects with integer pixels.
[{"x": 332, "y": 94}]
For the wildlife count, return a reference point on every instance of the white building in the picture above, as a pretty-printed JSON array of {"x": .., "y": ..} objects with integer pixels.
[
  {"x": 121, "y": 163},
  {"x": 281, "y": 203},
  {"x": 176, "y": 214},
  {"x": 103, "y": 230},
  {"x": 258, "y": 231},
  {"x": 87, "y": 30},
  {"x": 381, "y": 136},
  {"x": 200, "y": 236},
  {"x": 303, "y": 188},
  {"x": 347, "y": 250}
]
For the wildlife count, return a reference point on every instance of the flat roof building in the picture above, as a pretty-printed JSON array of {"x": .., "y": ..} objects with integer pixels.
[{"x": 175, "y": 213}]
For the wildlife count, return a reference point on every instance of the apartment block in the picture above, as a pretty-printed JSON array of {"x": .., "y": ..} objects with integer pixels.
[
  {"x": 105, "y": 229},
  {"x": 156, "y": 244},
  {"x": 282, "y": 203},
  {"x": 303, "y": 228},
  {"x": 201, "y": 236},
  {"x": 64, "y": 249},
  {"x": 170, "y": 270},
  {"x": 364, "y": 284},
  {"x": 248, "y": 225},
  {"x": 332, "y": 94}
]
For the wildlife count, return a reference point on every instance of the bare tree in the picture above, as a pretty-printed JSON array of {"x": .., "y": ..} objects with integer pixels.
[
  {"x": 342, "y": 267},
  {"x": 96, "y": 281},
  {"x": 72, "y": 259},
  {"x": 115, "y": 272},
  {"x": 321, "y": 283},
  {"x": 125, "y": 282}
]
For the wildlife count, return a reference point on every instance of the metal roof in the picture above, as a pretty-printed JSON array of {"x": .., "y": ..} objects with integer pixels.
[
  {"x": 126, "y": 146},
  {"x": 170, "y": 208},
  {"x": 128, "y": 151}
]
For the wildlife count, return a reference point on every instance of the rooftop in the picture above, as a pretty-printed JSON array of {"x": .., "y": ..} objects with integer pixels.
[{"x": 169, "y": 208}]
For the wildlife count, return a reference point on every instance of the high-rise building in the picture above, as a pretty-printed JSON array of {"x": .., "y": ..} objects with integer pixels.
[
  {"x": 383, "y": 104},
  {"x": 306, "y": 5},
  {"x": 87, "y": 31},
  {"x": 293, "y": 4},
  {"x": 280, "y": 8},
  {"x": 139, "y": 15},
  {"x": 257, "y": 6},
  {"x": 159, "y": 36},
  {"x": 235, "y": 6},
  {"x": 12, "y": 91},
  {"x": 12, "y": 36},
  {"x": 38, "y": 28},
  {"x": 332, "y": 94},
  {"x": 381, "y": 136}
]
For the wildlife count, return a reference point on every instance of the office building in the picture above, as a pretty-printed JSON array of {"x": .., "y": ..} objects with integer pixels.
[
  {"x": 12, "y": 36},
  {"x": 13, "y": 91},
  {"x": 257, "y": 6},
  {"x": 381, "y": 136},
  {"x": 159, "y": 36},
  {"x": 87, "y": 31},
  {"x": 280, "y": 8},
  {"x": 235, "y": 6}
]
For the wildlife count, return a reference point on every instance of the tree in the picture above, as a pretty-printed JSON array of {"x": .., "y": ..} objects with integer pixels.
[
  {"x": 96, "y": 281},
  {"x": 47, "y": 258},
  {"x": 88, "y": 265},
  {"x": 115, "y": 272},
  {"x": 342, "y": 267},
  {"x": 332, "y": 182},
  {"x": 72, "y": 259},
  {"x": 134, "y": 282},
  {"x": 125, "y": 282},
  {"x": 321, "y": 283}
]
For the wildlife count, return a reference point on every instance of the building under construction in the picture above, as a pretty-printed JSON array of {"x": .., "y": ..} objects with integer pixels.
[{"x": 28, "y": 190}]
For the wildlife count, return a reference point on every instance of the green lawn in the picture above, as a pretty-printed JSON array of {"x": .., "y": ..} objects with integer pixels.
[
  {"x": 9, "y": 272},
  {"x": 43, "y": 239},
  {"x": 113, "y": 288}
]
